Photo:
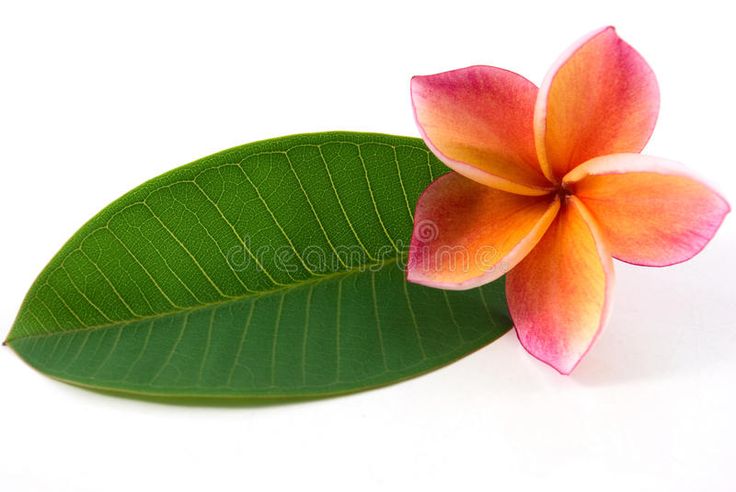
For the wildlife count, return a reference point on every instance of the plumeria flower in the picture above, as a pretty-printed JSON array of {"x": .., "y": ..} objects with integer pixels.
[{"x": 550, "y": 185}]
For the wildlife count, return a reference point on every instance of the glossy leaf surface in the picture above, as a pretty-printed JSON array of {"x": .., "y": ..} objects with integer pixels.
[{"x": 274, "y": 269}]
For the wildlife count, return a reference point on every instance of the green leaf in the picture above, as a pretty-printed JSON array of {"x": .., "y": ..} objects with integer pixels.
[{"x": 268, "y": 270}]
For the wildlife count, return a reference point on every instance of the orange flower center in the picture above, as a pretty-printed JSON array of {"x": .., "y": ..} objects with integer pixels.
[{"x": 563, "y": 191}]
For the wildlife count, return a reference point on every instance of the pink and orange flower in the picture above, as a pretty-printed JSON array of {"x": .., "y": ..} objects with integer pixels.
[{"x": 551, "y": 181}]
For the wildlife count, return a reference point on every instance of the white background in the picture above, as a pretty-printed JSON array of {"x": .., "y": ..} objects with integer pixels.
[{"x": 97, "y": 98}]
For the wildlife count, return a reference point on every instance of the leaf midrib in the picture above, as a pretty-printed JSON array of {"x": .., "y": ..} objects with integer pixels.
[{"x": 296, "y": 285}]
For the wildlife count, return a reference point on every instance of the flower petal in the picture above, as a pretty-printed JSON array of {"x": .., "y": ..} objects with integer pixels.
[
  {"x": 478, "y": 121},
  {"x": 650, "y": 210},
  {"x": 467, "y": 234},
  {"x": 559, "y": 295},
  {"x": 600, "y": 98}
]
